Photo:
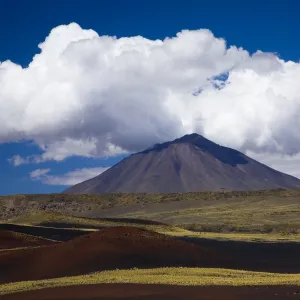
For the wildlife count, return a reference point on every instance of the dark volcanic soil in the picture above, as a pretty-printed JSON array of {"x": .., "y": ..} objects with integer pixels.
[
  {"x": 56, "y": 234},
  {"x": 257, "y": 256},
  {"x": 112, "y": 248},
  {"x": 10, "y": 240},
  {"x": 158, "y": 292}
]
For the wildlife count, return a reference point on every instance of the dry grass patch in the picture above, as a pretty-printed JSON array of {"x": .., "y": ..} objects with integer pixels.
[
  {"x": 238, "y": 236},
  {"x": 35, "y": 218},
  {"x": 171, "y": 276},
  {"x": 50, "y": 218}
]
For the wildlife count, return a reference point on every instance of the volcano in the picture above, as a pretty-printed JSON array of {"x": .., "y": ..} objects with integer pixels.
[{"x": 191, "y": 163}]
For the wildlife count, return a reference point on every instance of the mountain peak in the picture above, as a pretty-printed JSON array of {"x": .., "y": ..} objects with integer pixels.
[
  {"x": 193, "y": 138},
  {"x": 188, "y": 138}
]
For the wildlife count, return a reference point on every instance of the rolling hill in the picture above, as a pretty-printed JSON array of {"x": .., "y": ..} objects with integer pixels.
[{"x": 107, "y": 249}]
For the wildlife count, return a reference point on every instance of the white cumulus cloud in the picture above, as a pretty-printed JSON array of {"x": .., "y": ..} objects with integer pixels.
[
  {"x": 93, "y": 96},
  {"x": 38, "y": 173},
  {"x": 69, "y": 178},
  {"x": 18, "y": 160}
]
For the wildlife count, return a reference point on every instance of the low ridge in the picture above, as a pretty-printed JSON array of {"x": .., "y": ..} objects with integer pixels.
[{"x": 191, "y": 163}]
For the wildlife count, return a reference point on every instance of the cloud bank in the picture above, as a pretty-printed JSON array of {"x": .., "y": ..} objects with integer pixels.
[
  {"x": 69, "y": 178},
  {"x": 95, "y": 96}
]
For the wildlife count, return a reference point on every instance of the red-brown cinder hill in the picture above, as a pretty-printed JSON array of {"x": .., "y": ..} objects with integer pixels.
[
  {"x": 112, "y": 248},
  {"x": 10, "y": 240}
]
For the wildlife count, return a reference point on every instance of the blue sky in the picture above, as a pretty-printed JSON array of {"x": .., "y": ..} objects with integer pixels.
[{"x": 38, "y": 167}]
